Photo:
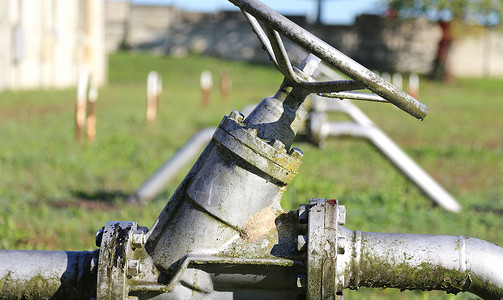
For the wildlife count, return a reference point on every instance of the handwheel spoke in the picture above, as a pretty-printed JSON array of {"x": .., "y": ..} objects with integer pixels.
[{"x": 277, "y": 24}]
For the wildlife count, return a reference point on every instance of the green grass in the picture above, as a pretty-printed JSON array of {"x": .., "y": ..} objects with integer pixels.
[{"x": 55, "y": 193}]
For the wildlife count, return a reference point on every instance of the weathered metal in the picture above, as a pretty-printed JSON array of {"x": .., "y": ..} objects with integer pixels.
[
  {"x": 244, "y": 169},
  {"x": 338, "y": 258},
  {"x": 421, "y": 262},
  {"x": 224, "y": 235},
  {"x": 276, "y": 23},
  {"x": 28, "y": 274}
]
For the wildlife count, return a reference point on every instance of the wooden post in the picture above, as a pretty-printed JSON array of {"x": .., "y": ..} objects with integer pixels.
[
  {"x": 154, "y": 89},
  {"x": 91, "y": 113},
  {"x": 386, "y": 76},
  {"x": 80, "y": 105},
  {"x": 413, "y": 85},
  {"x": 87, "y": 94},
  {"x": 206, "y": 85},
  {"x": 397, "y": 80},
  {"x": 225, "y": 84}
]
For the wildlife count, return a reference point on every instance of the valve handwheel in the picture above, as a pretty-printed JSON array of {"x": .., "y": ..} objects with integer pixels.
[{"x": 275, "y": 24}]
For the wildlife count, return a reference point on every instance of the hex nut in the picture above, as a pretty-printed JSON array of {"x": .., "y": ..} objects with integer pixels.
[
  {"x": 296, "y": 153},
  {"x": 99, "y": 237},
  {"x": 302, "y": 214},
  {"x": 341, "y": 218},
  {"x": 341, "y": 245},
  {"x": 302, "y": 243},
  {"x": 278, "y": 145},
  {"x": 301, "y": 280},
  {"x": 133, "y": 267},
  {"x": 138, "y": 239},
  {"x": 236, "y": 116},
  {"x": 253, "y": 131},
  {"x": 310, "y": 64}
]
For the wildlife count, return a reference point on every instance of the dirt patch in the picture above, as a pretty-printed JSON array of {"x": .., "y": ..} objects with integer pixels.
[
  {"x": 258, "y": 225},
  {"x": 86, "y": 204},
  {"x": 27, "y": 113}
]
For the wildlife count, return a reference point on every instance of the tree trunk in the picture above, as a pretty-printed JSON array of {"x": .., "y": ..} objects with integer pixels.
[{"x": 440, "y": 69}]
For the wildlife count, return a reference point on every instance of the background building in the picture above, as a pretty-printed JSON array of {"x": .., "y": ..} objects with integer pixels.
[
  {"x": 378, "y": 43},
  {"x": 46, "y": 44}
]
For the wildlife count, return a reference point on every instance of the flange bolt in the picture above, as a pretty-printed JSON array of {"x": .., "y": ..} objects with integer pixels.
[
  {"x": 133, "y": 267},
  {"x": 138, "y": 239},
  {"x": 278, "y": 145},
  {"x": 302, "y": 243},
  {"x": 301, "y": 280},
  {"x": 302, "y": 214},
  {"x": 296, "y": 153},
  {"x": 236, "y": 116},
  {"x": 341, "y": 220},
  {"x": 99, "y": 237}
]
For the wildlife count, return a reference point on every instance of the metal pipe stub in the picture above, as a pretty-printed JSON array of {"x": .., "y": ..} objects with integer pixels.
[{"x": 35, "y": 274}]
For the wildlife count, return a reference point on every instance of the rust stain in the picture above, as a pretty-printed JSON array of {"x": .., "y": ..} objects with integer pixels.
[
  {"x": 332, "y": 202},
  {"x": 258, "y": 225}
]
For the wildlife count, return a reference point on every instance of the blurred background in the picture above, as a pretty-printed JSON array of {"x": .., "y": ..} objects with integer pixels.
[{"x": 55, "y": 191}]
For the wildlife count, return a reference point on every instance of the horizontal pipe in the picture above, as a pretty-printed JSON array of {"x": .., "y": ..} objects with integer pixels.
[
  {"x": 421, "y": 262},
  {"x": 30, "y": 274}
]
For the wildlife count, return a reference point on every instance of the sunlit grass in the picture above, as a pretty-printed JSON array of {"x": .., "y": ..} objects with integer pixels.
[{"x": 55, "y": 193}]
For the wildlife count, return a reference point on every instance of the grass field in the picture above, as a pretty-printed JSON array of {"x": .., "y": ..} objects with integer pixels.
[{"x": 55, "y": 193}]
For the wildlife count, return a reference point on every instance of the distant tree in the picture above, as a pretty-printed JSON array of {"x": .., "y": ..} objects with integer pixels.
[{"x": 483, "y": 12}]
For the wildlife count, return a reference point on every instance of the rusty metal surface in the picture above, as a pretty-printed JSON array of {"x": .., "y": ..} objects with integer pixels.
[
  {"x": 338, "y": 258},
  {"x": 323, "y": 244}
]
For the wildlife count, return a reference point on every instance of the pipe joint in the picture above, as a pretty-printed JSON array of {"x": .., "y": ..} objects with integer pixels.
[{"x": 338, "y": 258}]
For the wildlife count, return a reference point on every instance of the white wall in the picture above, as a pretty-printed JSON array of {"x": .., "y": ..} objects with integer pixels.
[
  {"x": 47, "y": 43},
  {"x": 478, "y": 56}
]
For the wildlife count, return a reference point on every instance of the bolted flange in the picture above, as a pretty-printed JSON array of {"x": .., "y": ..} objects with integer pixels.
[{"x": 323, "y": 220}]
